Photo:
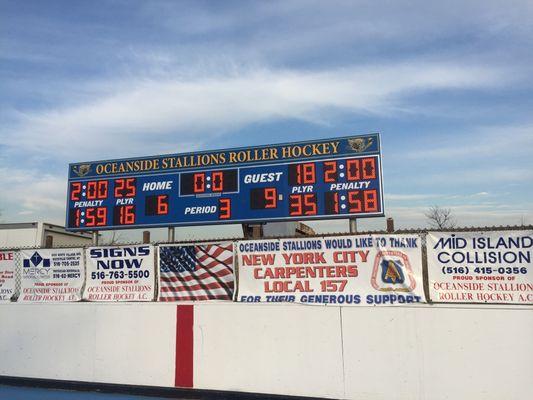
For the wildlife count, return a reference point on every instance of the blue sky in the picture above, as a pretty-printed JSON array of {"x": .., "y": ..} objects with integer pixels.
[{"x": 447, "y": 84}]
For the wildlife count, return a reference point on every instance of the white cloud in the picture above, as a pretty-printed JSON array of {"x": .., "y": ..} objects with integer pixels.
[
  {"x": 490, "y": 174},
  {"x": 176, "y": 114},
  {"x": 33, "y": 193},
  {"x": 411, "y": 197},
  {"x": 481, "y": 142}
]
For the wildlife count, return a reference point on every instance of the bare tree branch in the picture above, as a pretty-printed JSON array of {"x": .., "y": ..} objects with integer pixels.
[
  {"x": 440, "y": 218},
  {"x": 115, "y": 238}
]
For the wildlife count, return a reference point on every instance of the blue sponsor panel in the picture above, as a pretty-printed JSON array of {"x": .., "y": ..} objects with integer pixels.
[{"x": 334, "y": 178}]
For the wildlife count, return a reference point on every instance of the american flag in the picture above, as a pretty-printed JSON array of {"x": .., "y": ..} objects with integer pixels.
[{"x": 196, "y": 272}]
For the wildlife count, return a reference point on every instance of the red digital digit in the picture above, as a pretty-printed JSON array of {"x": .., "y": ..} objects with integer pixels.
[
  {"x": 271, "y": 198},
  {"x": 369, "y": 168},
  {"x": 162, "y": 204},
  {"x": 101, "y": 216},
  {"x": 125, "y": 187},
  {"x": 90, "y": 217},
  {"x": 371, "y": 200},
  {"x": 355, "y": 201},
  {"x": 336, "y": 203},
  {"x": 332, "y": 202},
  {"x": 119, "y": 187},
  {"x": 127, "y": 215},
  {"x": 217, "y": 179},
  {"x": 77, "y": 218},
  {"x": 302, "y": 174},
  {"x": 75, "y": 191},
  {"x": 92, "y": 192},
  {"x": 295, "y": 205},
  {"x": 224, "y": 208},
  {"x": 199, "y": 182},
  {"x": 102, "y": 190},
  {"x": 96, "y": 216},
  {"x": 330, "y": 171},
  {"x": 97, "y": 190},
  {"x": 302, "y": 204},
  {"x": 353, "y": 169},
  {"x": 308, "y": 173},
  {"x": 130, "y": 187},
  {"x": 310, "y": 204}
]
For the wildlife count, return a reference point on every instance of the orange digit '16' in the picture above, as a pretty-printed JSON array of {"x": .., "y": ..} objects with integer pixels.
[{"x": 127, "y": 215}]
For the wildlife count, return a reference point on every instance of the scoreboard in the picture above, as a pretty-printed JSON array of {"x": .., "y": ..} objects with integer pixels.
[{"x": 323, "y": 179}]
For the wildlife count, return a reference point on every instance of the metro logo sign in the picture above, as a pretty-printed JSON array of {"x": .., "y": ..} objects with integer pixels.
[{"x": 35, "y": 260}]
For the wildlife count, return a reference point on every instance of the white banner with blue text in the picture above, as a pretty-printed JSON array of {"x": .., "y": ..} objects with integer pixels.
[
  {"x": 480, "y": 267},
  {"x": 123, "y": 273},
  {"x": 51, "y": 275}
]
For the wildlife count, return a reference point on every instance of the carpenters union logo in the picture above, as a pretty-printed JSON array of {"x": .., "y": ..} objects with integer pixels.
[
  {"x": 392, "y": 272},
  {"x": 81, "y": 170}
]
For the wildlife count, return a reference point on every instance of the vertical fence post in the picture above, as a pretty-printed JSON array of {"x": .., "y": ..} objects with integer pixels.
[
  {"x": 146, "y": 236},
  {"x": 390, "y": 225},
  {"x": 49, "y": 241},
  {"x": 171, "y": 234},
  {"x": 353, "y": 225},
  {"x": 95, "y": 238}
]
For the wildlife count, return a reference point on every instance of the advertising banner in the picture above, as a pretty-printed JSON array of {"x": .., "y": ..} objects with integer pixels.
[
  {"x": 51, "y": 275},
  {"x": 196, "y": 272},
  {"x": 347, "y": 270},
  {"x": 7, "y": 275},
  {"x": 120, "y": 273},
  {"x": 481, "y": 267}
]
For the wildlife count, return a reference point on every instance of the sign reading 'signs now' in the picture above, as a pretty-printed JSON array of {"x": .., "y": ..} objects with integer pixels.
[
  {"x": 349, "y": 270},
  {"x": 120, "y": 273},
  {"x": 481, "y": 267}
]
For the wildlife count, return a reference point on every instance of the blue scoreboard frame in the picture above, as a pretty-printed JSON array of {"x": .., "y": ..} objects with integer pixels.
[{"x": 320, "y": 179}]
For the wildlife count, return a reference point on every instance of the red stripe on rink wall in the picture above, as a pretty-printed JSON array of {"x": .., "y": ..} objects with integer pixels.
[{"x": 184, "y": 346}]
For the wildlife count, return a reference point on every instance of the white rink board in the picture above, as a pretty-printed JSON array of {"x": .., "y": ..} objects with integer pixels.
[
  {"x": 438, "y": 353},
  {"x": 125, "y": 344},
  {"x": 423, "y": 352},
  {"x": 289, "y": 349},
  {"x": 410, "y": 353}
]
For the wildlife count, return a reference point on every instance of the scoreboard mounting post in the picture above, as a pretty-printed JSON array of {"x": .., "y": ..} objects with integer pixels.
[
  {"x": 313, "y": 180},
  {"x": 353, "y": 225},
  {"x": 171, "y": 234}
]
